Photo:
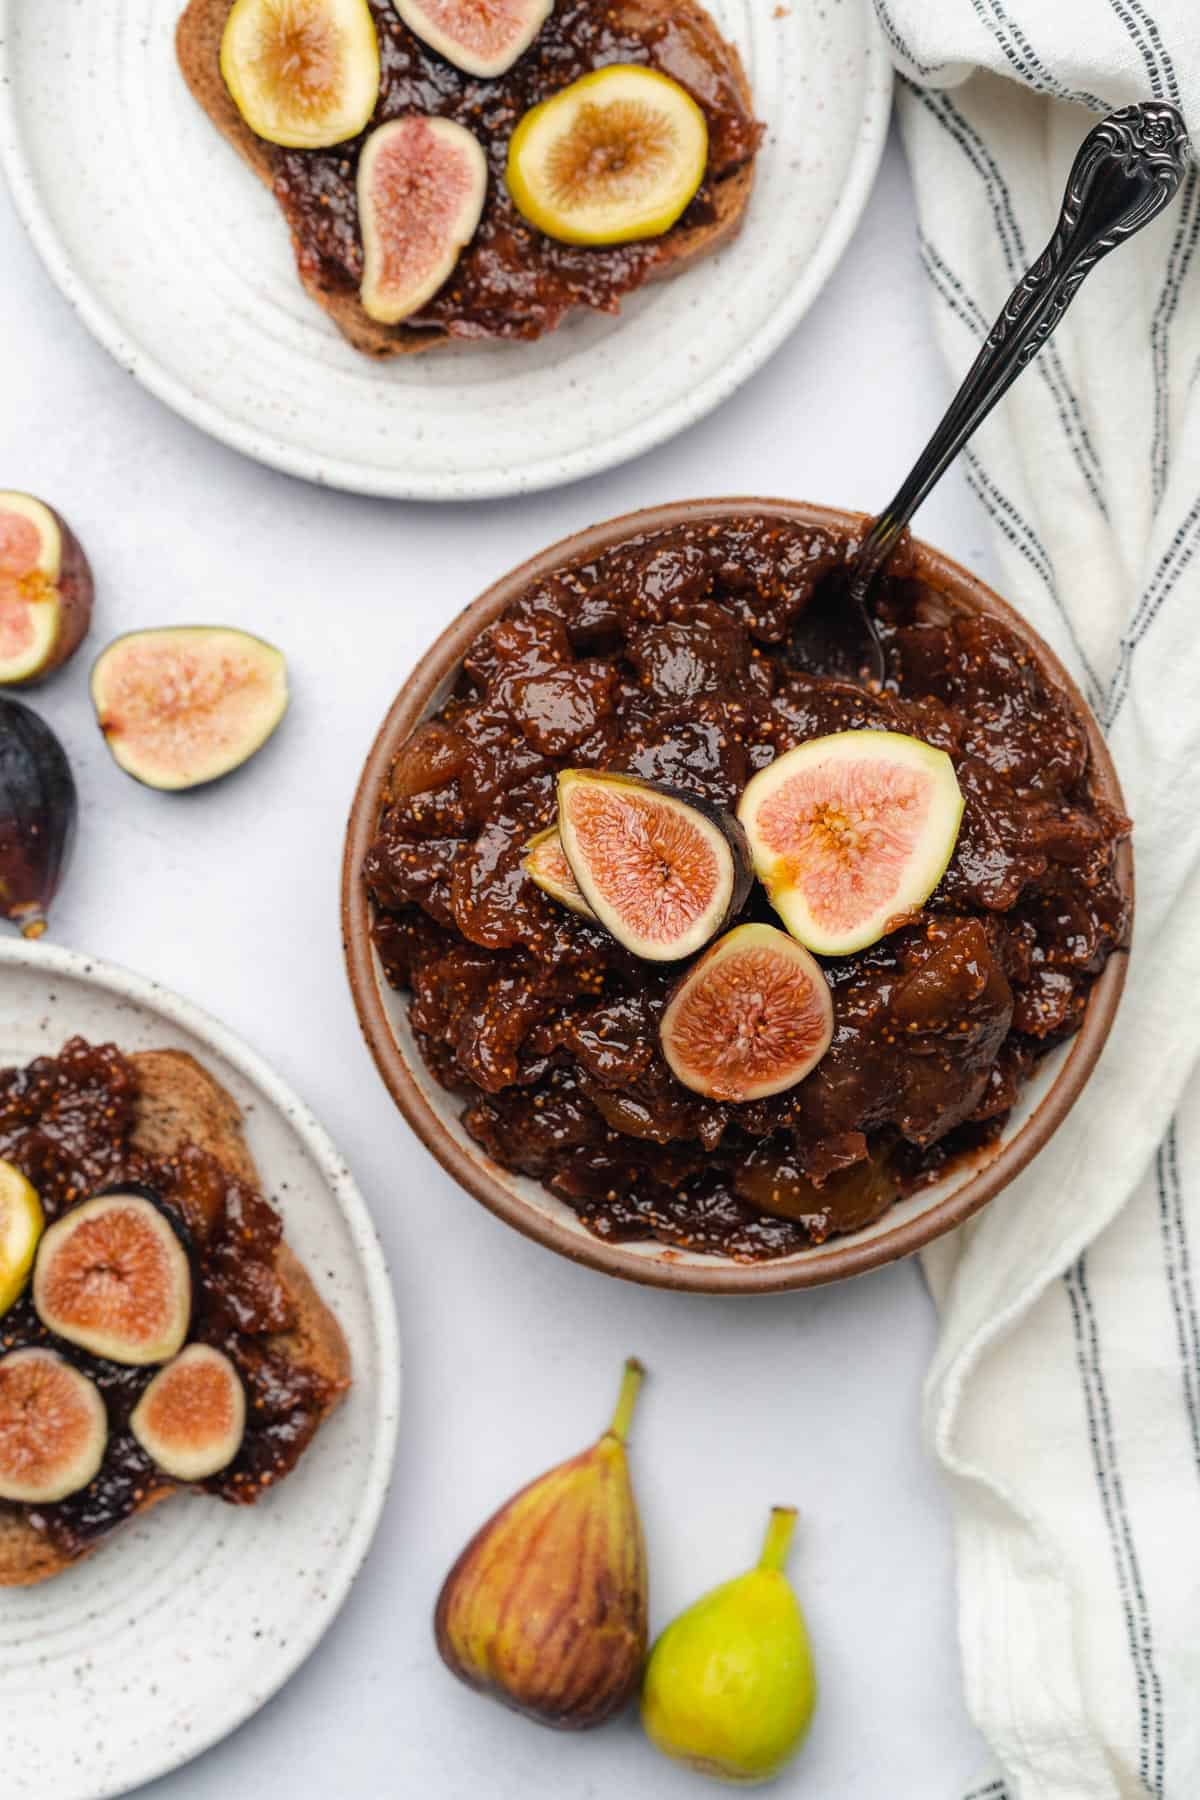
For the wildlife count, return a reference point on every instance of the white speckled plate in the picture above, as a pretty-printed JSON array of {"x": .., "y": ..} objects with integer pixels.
[
  {"x": 190, "y": 1619},
  {"x": 178, "y": 260}
]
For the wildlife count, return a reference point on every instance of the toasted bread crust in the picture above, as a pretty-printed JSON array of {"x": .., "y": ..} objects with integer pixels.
[
  {"x": 180, "y": 1101},
  {"x": 198, "y": 45}
]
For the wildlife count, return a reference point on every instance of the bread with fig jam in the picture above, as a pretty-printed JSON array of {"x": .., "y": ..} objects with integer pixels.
[
  {"x": 511, "y": 281},
  {"x": 179, "y": 1109}
]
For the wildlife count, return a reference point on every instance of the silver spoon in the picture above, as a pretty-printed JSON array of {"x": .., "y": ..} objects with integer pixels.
[{"x": 1128, "y": 168}]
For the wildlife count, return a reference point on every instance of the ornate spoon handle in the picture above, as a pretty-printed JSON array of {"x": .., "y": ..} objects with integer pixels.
[{"x": 1127, "y": 170}]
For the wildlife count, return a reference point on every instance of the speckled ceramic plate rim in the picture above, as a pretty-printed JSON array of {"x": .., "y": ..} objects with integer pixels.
[
  {"x": 343, "y": 1191},
  {"x": 410, "y": 1084},
  {"x": 360, "y": 478}
]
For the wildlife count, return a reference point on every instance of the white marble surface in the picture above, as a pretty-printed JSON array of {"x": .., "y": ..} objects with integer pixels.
[{"x": 230, "y": 896}]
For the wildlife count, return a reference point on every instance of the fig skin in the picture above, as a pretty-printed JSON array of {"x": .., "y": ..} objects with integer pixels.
[
  {"x": 713, "y": 822},
  {"x": 143, "y": 715},
  {"x": 73, "y": 584},
  {"x": 35, "y": 1470},
  {"x": 730, "y": 1686},
  {"x": 152, "y": 1245},
  {"x": 38, "y": 810},
  {"x": 502, "y": 1623}
]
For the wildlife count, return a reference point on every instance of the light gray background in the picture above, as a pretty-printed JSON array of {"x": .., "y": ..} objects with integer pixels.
[{"x": 512, "y": 1356}]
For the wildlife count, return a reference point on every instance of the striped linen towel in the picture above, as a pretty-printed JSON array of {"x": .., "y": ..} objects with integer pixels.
[{"x": 1063, "y": 1404}]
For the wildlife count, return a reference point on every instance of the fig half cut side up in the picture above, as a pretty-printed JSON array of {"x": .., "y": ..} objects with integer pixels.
[
  {"x": 113, "y": 1278},
  {"x": 183, "y": 705},
  {"x": 851, "y": 833},
  {"x": 191, "y": 1419},
  {"x": 421, "y": 187},
  {"x": 751, "y": 1017},
  {"x": 662, "y": 871},
  {"x": 482, "y": 40},
  {"x": 53, "y": 1427}
]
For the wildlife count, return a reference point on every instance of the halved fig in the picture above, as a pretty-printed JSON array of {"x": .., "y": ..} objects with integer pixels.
[
  {"x": 192, "y": 1417},
  {"x": 421, "y": 188},
  {"x": 614, "y": 157},
  {"x": 46, "y": 590},
  {"x": 662, "y": 871},
  {"x": 21, "y": 1225},
  {"x": 752, "y": 1017},
  {"x": 302, "y": 73},
  {"x": 186, "y": 704},
  {"x": 112, "y": 1277},
  {"x": 850, "y": 834},
  {"x": 53, "y": 1428},
  {"x": 484, "y": 37},
  {"x": 546, "y": 865}
]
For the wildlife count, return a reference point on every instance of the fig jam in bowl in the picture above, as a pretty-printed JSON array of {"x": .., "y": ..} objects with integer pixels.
[{"x": 521, "y": 1041}]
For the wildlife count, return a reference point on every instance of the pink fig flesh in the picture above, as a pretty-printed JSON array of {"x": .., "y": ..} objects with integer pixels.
[
  {"x": 482, "y": 37},
  {"x": 421, "y": 187},
  {"x": 46, "y": 590}
]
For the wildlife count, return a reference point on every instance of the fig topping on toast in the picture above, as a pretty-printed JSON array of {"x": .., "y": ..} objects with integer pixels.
[
  {"x": 613, "y": 158},
  {"x": 302, "y": 72}
]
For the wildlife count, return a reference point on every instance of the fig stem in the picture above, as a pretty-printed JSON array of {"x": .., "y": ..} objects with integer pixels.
[
  {"x": 778, "y": 1540},
  {"x": 34, "y": 926},
  {"x": 631, "y": 1381}
]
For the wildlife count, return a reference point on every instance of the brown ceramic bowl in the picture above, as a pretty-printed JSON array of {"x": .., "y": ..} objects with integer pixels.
[{"x": 525, "y": 1204}]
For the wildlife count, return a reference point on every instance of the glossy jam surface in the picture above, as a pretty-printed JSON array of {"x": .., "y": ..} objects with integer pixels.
[
  {"x": 66, "y": 1122},
  {"x": 684, "y": 657},
  {"x": 511, "y": 281}
]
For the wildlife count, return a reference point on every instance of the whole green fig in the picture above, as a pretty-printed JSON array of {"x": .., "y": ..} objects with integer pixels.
[{"x": 730, "y": 1687}]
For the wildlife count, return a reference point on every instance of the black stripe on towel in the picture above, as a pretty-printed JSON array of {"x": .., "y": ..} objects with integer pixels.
[
  {"x": 892, "y": 33},
  {"x": 1178, "y": 1260},
  {"x": 1182, "y": 245},
  {"x": 992, "y": 1790},
  {"x": 1172, "y": 564},
  {"x": 1142, "y": 28},
  {"x": 1048, "y": 364},
  {"x": 1120, "y": 1531},
  {"x": 1025, "y": 60}
]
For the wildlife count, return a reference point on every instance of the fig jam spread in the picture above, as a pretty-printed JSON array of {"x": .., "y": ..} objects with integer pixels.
[
  {"x": 681, "y": 657},
  {"x": 66, "y": 1122},
  {"x": 511, "y": 281}
]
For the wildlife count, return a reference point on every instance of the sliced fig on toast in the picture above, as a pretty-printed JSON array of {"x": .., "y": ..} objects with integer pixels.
[
  {"x": 302, "y": 73},
  {"x": 46, "y": 590},
  {"x": 421, "y": 187},
  {"x": 21, "y": 1226},
  {"x": 186, "y": 704},
  {"x": 547, "y": 867},
  {"x": 751, "y": 1017},
  {"x": 614, "y": 157},
  {"x": 53, "y": 1428},
  {"x": 850, "y": 834},
  {"x": 112, "y": 1277},
  {"x": 481, "y": 37},
  {"x": 191, "y": 1419},
  {"x": 662, "y": 871}
]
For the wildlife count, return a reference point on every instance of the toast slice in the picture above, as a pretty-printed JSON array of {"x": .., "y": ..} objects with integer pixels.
[
  {"x": 198, "y": 45},
  {"x": 179, "y": 1101}
]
